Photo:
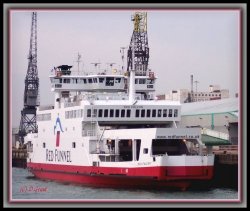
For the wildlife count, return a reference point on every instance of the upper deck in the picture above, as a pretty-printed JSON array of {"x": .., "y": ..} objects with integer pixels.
[
  {"x": 105, "y": 98},
  {"x": 116, "y": 111},
  {"x": 63, "y": 80}
]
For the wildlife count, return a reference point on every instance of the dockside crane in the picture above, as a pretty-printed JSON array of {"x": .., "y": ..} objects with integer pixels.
[
  {"x": 141, "y": 49},
  {"x": 31, "y": 95}
]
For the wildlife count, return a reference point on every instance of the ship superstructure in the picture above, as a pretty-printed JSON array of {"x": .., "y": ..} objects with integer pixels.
[{"x": 110, "y": 130}]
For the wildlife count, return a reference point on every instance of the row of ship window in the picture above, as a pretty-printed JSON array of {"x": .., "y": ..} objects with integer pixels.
[
  {"x": 43, "y": 117},
  {"x": 74, "y": 114},
  {"x": 127, "y": 113},
  {"x": 123, "y": 113},
  {"x": 109, "y": 80}
]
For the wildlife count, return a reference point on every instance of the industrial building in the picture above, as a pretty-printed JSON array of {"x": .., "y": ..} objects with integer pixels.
[
  {"x": 184, "y": 95},
  {"x": 217, "y": 115}
]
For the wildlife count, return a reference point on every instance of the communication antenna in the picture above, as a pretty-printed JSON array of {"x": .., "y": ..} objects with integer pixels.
[
  {"x": 96, "y": 64},
  {"x": 122, "y": 52},
  {"x": 111, "y": 65},
  {"x": 78, "y": 61}
]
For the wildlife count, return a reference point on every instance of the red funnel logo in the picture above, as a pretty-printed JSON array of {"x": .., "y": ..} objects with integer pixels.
[{"x": 58, "y": 130}]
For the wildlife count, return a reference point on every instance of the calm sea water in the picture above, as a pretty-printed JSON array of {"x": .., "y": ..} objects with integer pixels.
[{"x": 26, "y": 187}]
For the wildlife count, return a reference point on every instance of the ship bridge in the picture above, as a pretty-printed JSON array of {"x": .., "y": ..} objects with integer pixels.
[{"x": 63, "y": 81}]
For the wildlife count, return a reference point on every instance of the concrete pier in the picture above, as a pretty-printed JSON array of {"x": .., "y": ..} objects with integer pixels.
[
  {"x": 226, "y": 167},
  {"x": 19, "y": 157}
]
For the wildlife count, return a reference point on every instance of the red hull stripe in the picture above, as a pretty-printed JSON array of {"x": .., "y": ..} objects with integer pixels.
[
  {"x": 180, "y": 176},
  {"x": 57, "y": 138}
]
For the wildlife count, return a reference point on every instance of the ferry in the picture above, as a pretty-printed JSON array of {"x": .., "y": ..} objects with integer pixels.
[{"x": 109, "y": 130}]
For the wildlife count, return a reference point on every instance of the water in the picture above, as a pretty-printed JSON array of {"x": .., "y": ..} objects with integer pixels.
[{"x": 25, "y": 186}]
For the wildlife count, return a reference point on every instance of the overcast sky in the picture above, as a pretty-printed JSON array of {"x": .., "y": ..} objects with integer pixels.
[{"x": 204, "y": 43}]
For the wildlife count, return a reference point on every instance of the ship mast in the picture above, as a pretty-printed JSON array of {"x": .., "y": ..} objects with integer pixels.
[{"x": 132, "y": 77}]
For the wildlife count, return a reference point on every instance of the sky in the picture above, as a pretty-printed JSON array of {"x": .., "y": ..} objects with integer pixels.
[{"x": 202, "y": 43}]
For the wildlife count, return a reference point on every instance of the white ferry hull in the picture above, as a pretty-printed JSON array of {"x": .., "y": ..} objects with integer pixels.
[{"x": 102, "y": 169}]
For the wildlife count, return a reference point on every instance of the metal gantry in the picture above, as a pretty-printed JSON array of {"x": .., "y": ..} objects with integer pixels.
[
  {"x": 140, "y": 39},
  {"x": 31, "y": 94}
]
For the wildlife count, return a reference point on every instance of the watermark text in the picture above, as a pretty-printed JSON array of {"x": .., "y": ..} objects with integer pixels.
[{"x": 32, "y": 188}]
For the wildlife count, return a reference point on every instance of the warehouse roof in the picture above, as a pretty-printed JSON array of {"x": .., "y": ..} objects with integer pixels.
[{"x": 229, "y": 105}]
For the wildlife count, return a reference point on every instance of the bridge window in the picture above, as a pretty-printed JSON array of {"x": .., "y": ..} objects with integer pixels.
[
  {"x": 154, "y": 113},
  {"x": 150, "y": 81},
  {"x": 123, "y": 113},
  {"x": 137, "y": 113},
  {"x": 175, "y": 112},
  {"x": 136, "y": 81},
  {"x": 74, "y": 80},
  {"x": 66, "y": 80},
  {"x": 165, "y": 112},
  {"x": 159, "y": 113},
  {"x": 148, "y": 112},
  {"x": 100, "y": 113},
  {"x": 90, "y": 80},
  {"x": 78, "y": 113},
  {"x": 111, "y": 114},
  {"x": 73, "y": 144},
  {"x": 143, "y": 113},
  {"x": 95, "y": 80},
  {"x": 128, "y": 113},
  {"x": 106, "y": 112},
  {"x": 66, "y": 114},
  {"x": 117, "y": 113},
  {"x": 85, "y": 80},
  {"x": 118, "y": 80},
  {"x": 142, "y": 81},
  {"x": 170, "y": 113},
  {"x": 145, "y": 151},
  {"x": 44, "y": 145},
  {"x": 101, "y": 80},
  {"x": 94, "y": 113},
  {"x": 109, "y": 81}
]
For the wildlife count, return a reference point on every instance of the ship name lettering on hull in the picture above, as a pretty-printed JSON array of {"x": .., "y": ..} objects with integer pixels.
[
  {"x": 58, "y": 156},
  {"x": 133, "y": 106}
]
